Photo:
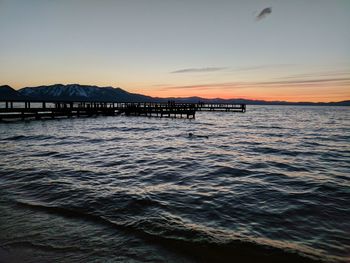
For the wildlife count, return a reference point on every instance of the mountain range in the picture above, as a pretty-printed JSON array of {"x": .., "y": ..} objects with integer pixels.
[{"x": 77, "y": 92}]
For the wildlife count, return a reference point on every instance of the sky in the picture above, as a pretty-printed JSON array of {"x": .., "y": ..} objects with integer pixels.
[{"x": 254, "y": 49}]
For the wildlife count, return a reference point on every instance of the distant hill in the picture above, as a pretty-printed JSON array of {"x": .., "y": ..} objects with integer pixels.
[
  {"x": 6, "y": 92},
  {"x": 259, "y": 102},
  {"x": 77, "y": 92}
]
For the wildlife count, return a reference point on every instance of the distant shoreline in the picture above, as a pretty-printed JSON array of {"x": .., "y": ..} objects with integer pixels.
[{"x": 77, "y": 92}]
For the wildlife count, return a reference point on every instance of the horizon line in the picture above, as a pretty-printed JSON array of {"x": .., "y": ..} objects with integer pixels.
[{"x": 185, "y": 97}]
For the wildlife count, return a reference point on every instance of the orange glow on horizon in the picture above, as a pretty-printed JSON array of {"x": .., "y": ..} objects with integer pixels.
[
  {"x": 325, "y": 94},
  {"x": 290, "y": 91},
  {"x": 296, "y": 98}
]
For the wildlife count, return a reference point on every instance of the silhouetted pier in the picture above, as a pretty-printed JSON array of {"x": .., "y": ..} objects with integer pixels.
[
  {"x": 10, "y": 110},
  {"x": 220, "y": 107}
]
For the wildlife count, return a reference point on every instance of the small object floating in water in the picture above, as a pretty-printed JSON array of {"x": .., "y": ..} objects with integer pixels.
[
  {"x": 191, "y": 135},
  {"x": 265, "y": 12}
]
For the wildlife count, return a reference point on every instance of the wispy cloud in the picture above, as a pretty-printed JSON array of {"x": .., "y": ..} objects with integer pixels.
[
  {"x": 259, "y": 67},
  {"x": 265, "y": 12},
  {"x": 303, "y": 81},
  {"x": 317, "y": 75},
  {"x": 160, "y": 85},
  {"x": 198, "y": 70},
  {"x": 265, "y": 84},
  {"x": 204, "y": 86},
  {"x": 214, "y": 69}
]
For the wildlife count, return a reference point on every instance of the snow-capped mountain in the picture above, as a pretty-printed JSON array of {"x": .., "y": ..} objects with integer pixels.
[{"x": 78, "y": 92}]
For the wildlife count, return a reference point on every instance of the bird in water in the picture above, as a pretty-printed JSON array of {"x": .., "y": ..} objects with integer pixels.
[
  {"x": 191, "y": 135},
  {"x": 265, "y": 12}
]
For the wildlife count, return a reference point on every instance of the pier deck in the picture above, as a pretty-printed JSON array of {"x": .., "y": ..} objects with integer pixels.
[{"x": 10, "y": 110}]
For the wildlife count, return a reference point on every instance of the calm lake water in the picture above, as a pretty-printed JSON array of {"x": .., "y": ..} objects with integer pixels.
[{"x": 271, "y": 184}]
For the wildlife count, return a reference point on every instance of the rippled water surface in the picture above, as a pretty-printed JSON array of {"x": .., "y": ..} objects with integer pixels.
[{"x": 269, "y": 185}]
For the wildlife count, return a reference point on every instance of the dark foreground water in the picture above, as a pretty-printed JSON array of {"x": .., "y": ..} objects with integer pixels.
[{"x": 270, "y": 185}]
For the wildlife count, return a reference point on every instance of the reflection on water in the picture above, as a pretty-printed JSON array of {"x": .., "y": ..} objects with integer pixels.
[{"x": 271, "y": 184}]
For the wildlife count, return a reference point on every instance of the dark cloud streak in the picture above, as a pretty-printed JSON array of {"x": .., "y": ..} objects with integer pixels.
[{"x": 198, "y": 70}]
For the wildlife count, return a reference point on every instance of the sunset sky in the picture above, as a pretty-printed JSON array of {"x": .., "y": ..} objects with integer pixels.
[{"x": 300, "y": 51}]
